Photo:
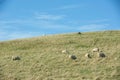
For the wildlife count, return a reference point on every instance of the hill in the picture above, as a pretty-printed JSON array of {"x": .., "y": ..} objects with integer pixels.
[{"x": 41, "y": 58}]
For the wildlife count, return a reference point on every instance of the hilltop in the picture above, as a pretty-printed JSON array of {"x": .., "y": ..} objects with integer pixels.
[{"x": 41, "y": 58}]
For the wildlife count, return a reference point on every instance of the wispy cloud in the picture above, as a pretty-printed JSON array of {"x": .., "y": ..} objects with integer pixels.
[
  {"x": 70, "y": 6},
  {"x": 14, "y": 29},
  {"x": 49, "y": 17},
  {"x": 43, "y": 24}
]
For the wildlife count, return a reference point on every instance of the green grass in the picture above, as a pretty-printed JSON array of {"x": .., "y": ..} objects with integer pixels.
[{"x": 42, "y": 59}]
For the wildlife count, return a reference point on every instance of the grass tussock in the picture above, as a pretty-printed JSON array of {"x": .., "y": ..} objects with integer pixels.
[{"x": 41, "y": 58}]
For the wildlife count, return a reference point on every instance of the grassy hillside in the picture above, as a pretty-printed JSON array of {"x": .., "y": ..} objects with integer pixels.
[{"x": 42, "y": 59}]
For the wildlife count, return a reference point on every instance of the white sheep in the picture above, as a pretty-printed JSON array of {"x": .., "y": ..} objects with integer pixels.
[
  {"x": 65, "y": 51},
  {"x": 87, "y": 55},
  {"x": 95, "y": 50},
  {"x": 15, "y": 58}
]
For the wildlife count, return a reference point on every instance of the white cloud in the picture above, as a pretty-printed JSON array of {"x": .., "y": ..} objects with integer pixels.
[
  {"x": 49, "y": 17},
  {"x": 70, "y": 6},
  {"x": 13, "y": 29},
  {"x": 18, "y": 21},
  {"x": 45, "y": 23}
]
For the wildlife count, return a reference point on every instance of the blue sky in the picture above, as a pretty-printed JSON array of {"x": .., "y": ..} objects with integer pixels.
[{"x": 29, "y": 18}]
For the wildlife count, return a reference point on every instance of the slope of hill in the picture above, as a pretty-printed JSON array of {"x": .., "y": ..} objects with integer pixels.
[{"x": 41, "y": 58}]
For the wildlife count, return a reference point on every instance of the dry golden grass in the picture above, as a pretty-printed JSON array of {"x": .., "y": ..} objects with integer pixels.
[{"x": 42, "y": 59}]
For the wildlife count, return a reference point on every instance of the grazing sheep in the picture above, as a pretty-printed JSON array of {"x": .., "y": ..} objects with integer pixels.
[
  {"x": 95, "y": 50},
  {"x": 72, "y": 57},
  {"x": 101, "y": 54},
  {"x": 15, "y": 58},
  {"x": 79, "y": 33},
  {"x": 87, "y": 55},
  {"x": 65, "y": 51}
]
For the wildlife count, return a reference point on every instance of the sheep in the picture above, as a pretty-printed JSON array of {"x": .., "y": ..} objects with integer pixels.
[
  {"x": 65, "y": 51},
  {"x": 87, "y": 55},
  {"x": 101, "y": 54},
  {"x": 15, "y": 58},
  {"x": 69, "y": 55},
  {"x": 95, "y": 50},
  {"x": 73, "y": 57},
  {"x": 79, "y": 33}
]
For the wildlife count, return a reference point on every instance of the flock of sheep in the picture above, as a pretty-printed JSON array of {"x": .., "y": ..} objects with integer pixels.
[
  {"x": 73, "y": 57},
  {"x": 87, "y": 55}
]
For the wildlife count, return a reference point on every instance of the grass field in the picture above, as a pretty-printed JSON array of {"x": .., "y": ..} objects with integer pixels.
[{"x": 41, "y": 57}]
